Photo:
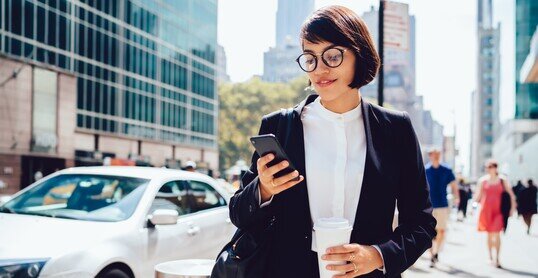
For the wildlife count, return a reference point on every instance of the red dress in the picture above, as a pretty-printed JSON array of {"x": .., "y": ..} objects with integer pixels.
[{"x": 491, "y": 218}]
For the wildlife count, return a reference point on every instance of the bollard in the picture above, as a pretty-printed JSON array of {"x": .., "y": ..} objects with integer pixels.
[{"x": 184, "y": 269}]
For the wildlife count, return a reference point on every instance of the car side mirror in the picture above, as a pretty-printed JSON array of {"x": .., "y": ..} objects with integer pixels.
[{"x": 163, "y": 217}]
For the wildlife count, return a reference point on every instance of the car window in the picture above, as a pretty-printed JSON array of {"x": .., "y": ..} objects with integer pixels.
[
  {"x": 82, "y": 196},
  {"x": 204, "y": 196},
  {"x": 172, "y": 195}
]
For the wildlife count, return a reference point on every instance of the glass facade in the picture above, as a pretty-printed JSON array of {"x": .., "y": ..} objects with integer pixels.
[
  {"x": 145, "y": 69},
  {"x": 489, "y": 60},
  {"x": 526, "y": 94}
]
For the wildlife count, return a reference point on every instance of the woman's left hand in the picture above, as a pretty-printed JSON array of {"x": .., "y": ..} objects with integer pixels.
[{"x": 362, "y": 259}]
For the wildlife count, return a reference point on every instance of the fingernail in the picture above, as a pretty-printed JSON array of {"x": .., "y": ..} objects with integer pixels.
[
  {"x": 328, "y": 267},
  {"x": 324, "y": 257},
  {"x": 295, "y": 173},
  {"x": 285, "y": 163},
  {"x": 271, "y": 156},
  {"x": 328, "y": 250}
]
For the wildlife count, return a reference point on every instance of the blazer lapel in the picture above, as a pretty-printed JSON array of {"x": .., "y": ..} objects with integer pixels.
[
  {"x": 297, "y": 136},
  {"x": 296, "y": 153},
  {"x": 372, "y": 167}
]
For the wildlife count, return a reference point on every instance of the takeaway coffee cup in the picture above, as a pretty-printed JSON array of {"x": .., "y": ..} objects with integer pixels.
[{"x": 330, "y": 232}]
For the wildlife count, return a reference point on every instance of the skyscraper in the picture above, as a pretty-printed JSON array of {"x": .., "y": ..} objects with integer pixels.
[
  {"x": 222, "y": 75},
  {"x": 526, "y": 93},
  {"x": 399, "y": 64},
  {"x": 289, "y": 18},
  {"x": 84, "y": 80},
  {"x": 279, "y": 61},
  {"x": 485, "y": 109},
  {"x": 400, "y": 89},
  {"x": 515, "y": 148}
]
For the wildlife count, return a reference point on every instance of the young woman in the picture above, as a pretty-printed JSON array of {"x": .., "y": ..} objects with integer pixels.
[
  {"x": 352, "y": 158},
  {"x": 489, "y": 191}
]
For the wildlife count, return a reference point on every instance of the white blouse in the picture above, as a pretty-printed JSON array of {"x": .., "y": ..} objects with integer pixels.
[{"x": 335, "y": 155}]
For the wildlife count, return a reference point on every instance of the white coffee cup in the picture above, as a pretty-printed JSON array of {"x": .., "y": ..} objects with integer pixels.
[{"x": 330, "y": 232}]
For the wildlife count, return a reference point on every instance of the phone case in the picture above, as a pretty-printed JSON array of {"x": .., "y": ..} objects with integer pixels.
[{"x": 268, "y": 143}]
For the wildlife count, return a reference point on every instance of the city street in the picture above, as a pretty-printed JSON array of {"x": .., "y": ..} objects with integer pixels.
[{"x": 465, "y": 253}]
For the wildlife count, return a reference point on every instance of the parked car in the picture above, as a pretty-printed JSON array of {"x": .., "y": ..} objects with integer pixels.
[
  {"x": 114, "y": 221},
  {"x": 4, "y": 199}
]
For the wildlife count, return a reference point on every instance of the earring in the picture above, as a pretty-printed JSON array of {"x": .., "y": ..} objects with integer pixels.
[{"x": 309, "y": 87}]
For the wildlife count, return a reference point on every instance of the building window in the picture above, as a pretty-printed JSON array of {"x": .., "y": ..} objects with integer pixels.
[
  {"x": 44, "y": 111},
  {"x": 100, "y": 40}
]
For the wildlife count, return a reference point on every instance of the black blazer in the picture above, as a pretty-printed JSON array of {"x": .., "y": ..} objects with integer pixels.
[{"x": 394, "y": 173}]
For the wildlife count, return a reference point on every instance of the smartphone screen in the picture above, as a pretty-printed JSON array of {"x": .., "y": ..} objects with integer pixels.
[{"x": 268, "y": 143}]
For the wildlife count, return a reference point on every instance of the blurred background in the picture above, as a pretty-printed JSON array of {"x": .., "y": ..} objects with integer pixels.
[{"x": 169, "y": 83}]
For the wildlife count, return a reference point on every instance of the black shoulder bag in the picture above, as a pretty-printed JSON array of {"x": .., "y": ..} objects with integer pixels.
[
  {"x": 506, "y": 205},
  {"x": 246, "y": 254}
]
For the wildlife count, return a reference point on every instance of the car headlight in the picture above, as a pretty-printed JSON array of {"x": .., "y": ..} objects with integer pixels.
[{"x": 21, "y": 268}]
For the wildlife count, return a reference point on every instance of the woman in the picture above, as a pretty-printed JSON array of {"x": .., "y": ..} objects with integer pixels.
[
  {"x": 527, "y": 203},
  {"x": 347, "y": 153},
  {"x": 489, "y": 192}
]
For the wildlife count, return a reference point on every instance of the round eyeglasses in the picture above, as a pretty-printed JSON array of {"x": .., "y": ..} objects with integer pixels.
[{"x": 332, "y": 57}]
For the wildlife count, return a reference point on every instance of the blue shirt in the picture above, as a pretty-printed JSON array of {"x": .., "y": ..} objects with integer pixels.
[{"x": 438, "y": 180}]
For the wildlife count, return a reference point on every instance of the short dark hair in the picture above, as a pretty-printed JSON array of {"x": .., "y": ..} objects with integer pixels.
[
  {"x": 341, "y": 26},
  {"x": 492, "y": 162}
]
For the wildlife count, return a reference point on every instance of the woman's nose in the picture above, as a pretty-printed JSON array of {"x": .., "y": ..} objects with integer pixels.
[{"x": 321, "y": 68}]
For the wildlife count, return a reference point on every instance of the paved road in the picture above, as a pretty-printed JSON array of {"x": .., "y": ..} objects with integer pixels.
[{"x": 465, "y": 253}]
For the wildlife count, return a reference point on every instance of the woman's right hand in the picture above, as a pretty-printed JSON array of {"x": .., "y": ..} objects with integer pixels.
[{"x": 269, "y": 185}]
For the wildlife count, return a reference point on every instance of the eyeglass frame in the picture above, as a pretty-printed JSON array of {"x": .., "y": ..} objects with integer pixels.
[{"x": 316, "y": 55}]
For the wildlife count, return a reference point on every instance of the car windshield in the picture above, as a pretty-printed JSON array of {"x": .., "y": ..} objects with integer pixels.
[{"x": 82, "y": 197}]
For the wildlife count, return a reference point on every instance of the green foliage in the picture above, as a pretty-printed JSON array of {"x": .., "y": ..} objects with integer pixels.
[{"x": 242, "y": 106}]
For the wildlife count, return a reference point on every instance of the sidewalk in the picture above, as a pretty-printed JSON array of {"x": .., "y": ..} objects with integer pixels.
[{"x": 465, "y": 252}]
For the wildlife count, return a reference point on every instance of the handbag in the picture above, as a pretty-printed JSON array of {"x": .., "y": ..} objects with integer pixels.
[
  {"x": 246, "y": 255},
  {"x": 506, "y": 205}
]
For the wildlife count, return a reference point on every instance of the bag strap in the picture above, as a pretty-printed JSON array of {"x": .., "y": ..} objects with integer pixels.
[{"x": 502, "y": 184}]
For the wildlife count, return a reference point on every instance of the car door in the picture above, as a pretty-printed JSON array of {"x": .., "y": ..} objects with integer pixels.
[
  {"x": 171, "y": 242},
  {"x": 210, "y": 218}
]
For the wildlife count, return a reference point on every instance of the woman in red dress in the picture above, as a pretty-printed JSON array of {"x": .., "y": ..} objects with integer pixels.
[{"x": 489, "y": 191}]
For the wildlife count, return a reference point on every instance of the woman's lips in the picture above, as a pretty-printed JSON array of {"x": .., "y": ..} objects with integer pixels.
[{"x": 325, "y": 83}]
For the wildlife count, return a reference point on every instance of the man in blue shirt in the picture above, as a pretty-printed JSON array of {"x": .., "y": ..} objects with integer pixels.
[{"x": 439, "y": 177}]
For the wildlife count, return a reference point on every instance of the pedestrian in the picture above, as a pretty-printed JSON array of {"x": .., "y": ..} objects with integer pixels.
[
  {"x": 527, "y": 203},
  {"x": 490, "y": 188},
  {"x": 464, "y": 189},
  {"x": 439, "y": 178},
  {"x": 517, "y": 189},
  {"x": 190, "y": 166},
  {"x": 38, "y": 175},
  {"x": 344, "y": 149}
]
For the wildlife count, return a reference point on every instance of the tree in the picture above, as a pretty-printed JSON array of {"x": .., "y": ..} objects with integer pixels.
[{"x": 242, "y": 106}]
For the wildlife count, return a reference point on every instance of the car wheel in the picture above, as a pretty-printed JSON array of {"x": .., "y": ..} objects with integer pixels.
[{"x": 113, "y": 273}]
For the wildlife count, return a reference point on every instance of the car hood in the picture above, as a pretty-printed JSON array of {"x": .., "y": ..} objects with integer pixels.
[{"x": 27, "y": 236}]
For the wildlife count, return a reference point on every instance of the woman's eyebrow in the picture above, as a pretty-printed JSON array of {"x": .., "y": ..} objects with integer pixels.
[{"x": 311, "y": 51}]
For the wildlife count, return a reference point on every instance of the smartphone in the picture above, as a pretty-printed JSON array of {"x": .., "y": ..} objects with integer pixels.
[{"x": 267, "y": 143}]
